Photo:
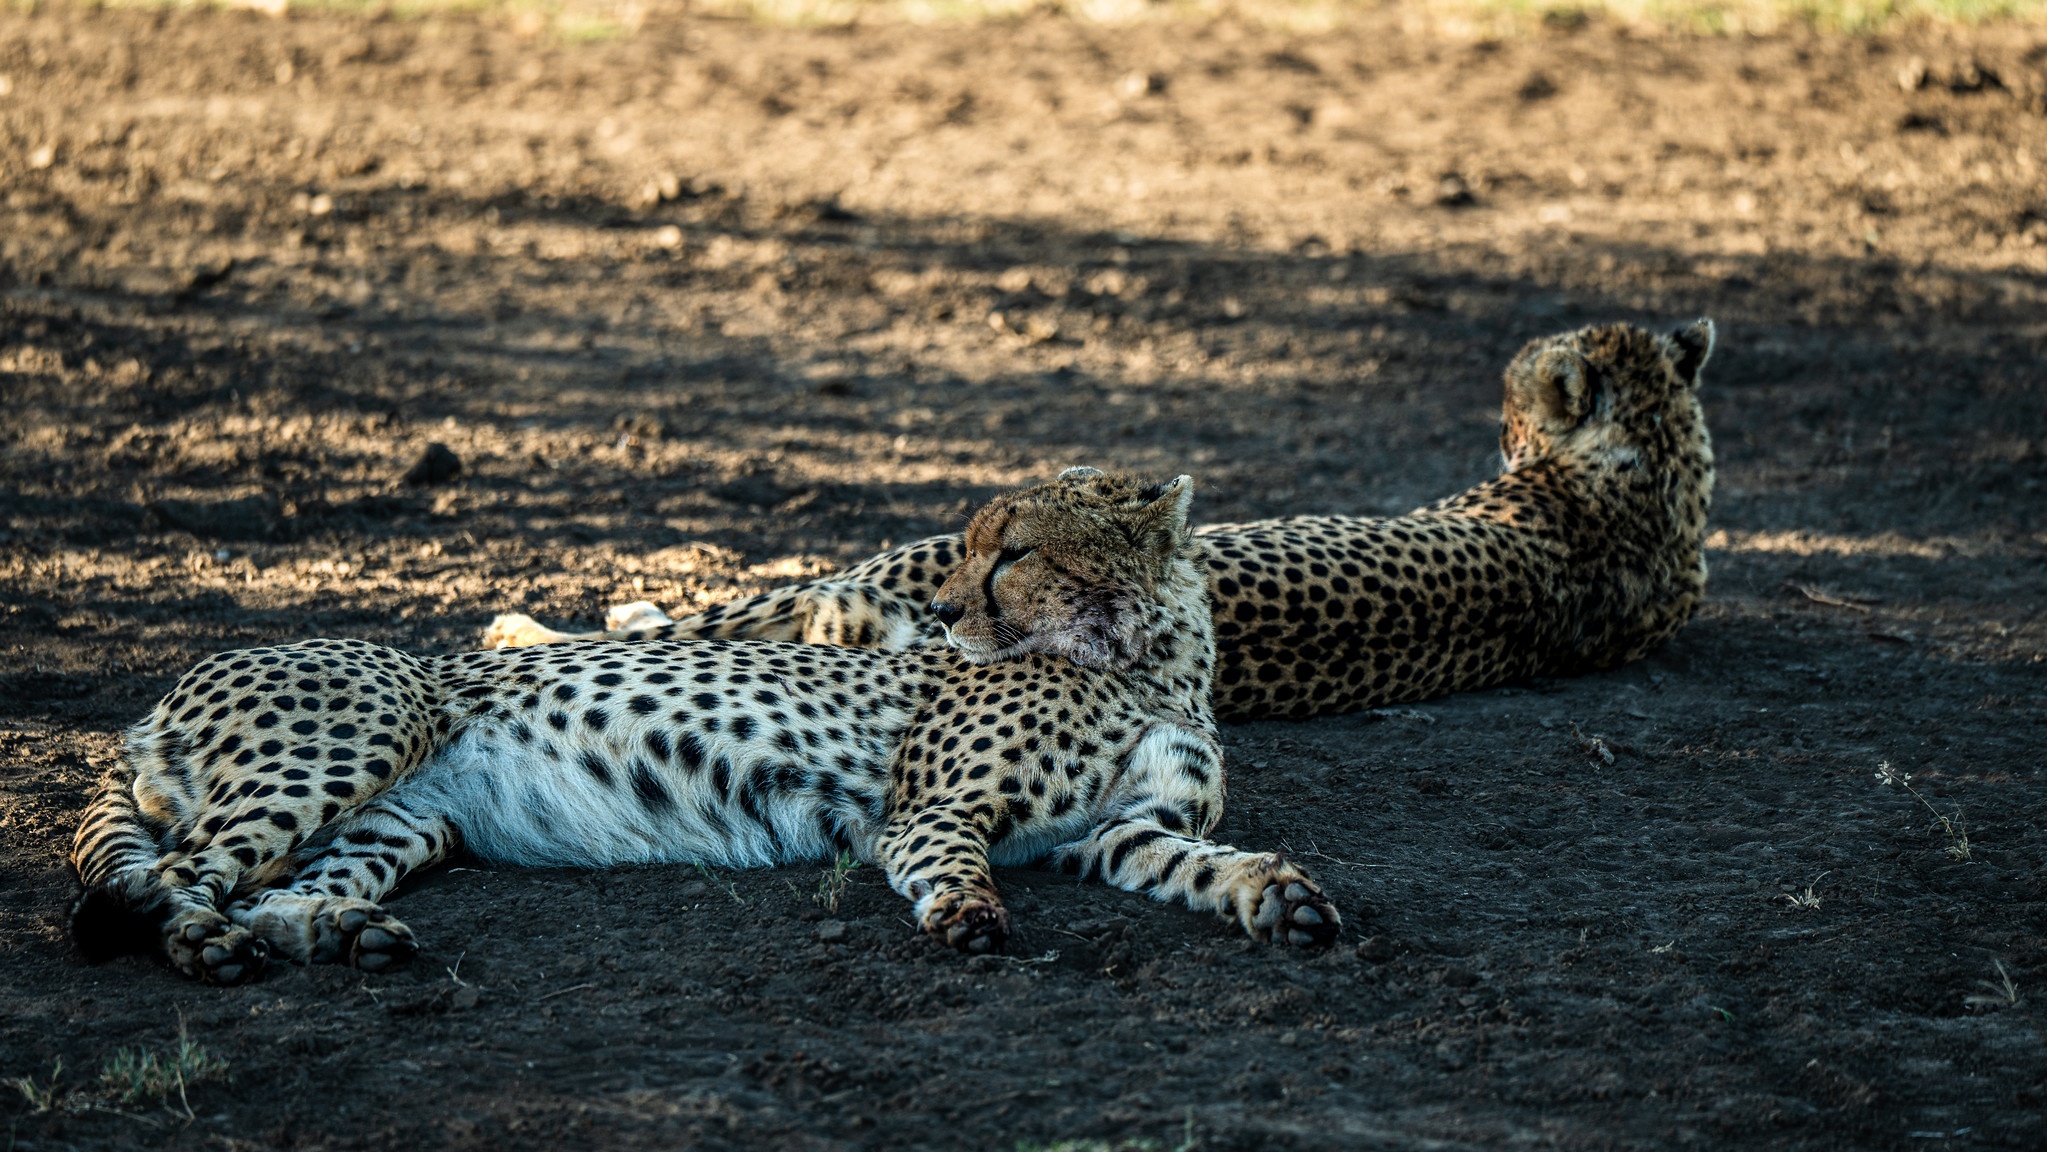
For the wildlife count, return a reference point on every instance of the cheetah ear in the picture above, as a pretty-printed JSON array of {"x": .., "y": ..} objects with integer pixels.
[
  {"x": 1162, "y": 519},
  {"x": 1690, "y": 346},
  {"x": 1563, "y": 387},
  {"x": 1079, "y": 472}
]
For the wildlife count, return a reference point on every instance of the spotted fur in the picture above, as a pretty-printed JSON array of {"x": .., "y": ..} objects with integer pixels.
[
  {"x": 1586, "y": 552},
  {"x": 277, "y": 794}
]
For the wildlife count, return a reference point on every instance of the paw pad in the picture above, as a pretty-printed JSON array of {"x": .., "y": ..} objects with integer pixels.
[
  {"x": 368, "y": 938},
  {"x": 974, "y": 926},
  {"x": 216, "y": 952},
  {"x": 1295, "y": 912}
]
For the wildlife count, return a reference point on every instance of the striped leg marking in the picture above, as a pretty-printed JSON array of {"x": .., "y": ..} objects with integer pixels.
[{"x": 328, "y": 914}]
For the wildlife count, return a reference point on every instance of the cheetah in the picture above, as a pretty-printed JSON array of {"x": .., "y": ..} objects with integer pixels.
[
  {"x": 277, "y": 794},
  {"x": 1586, "y": 552}
]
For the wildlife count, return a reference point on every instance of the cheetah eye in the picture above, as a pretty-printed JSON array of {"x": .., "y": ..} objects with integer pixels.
[{"x": 1008, "y": 556}]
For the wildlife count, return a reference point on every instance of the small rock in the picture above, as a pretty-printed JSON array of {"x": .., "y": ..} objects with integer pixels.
[
  {"x": 464, "y": 998},
  {"x": 831, "y": 932},
  {"x": 1289, "y": 1039},
  {"x": 1376, "y": 949},
  {"x": 437, "y": 465}
]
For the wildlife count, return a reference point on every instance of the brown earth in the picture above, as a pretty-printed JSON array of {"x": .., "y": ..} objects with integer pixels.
[{"x": 720, "y": 304}]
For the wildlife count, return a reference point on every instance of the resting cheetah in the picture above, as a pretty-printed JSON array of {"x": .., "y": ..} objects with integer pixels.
[
  {"x": 277, "y": 793},
  {"x": 1585, "y": 553}
]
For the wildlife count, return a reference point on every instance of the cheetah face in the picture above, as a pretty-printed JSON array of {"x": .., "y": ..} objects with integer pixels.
[
  {"x": 1610, "y": 396},
  {"x": 1072, "y": 568}
]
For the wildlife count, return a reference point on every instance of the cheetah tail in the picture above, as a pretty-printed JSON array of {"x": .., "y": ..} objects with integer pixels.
[{"x": 120, "y": 907}]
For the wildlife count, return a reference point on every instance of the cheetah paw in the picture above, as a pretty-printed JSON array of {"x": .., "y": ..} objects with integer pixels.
[
  {"x": 637, "y": 616},
  {"x": 368, "y": 938},
  {"x": 970, "y": 924},
  {"x": 1295, "y": 912},
  {"x": 210, "y": 949},
  {"x": 517, "y": 630}
]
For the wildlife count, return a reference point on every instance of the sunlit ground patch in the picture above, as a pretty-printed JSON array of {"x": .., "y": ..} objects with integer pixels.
[{"x": 1466, "y": 19}]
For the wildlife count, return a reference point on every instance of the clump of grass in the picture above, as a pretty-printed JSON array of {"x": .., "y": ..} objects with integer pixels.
[
  {"x": 1957, "y": 831},
  {"x": 138, "y": 1075},
  {"x": 833, "y": 881},
  {"x": 1808, "y": 900},
  {"x": 42, "y": 1097},
  {"x": 2002, "y": 992}
]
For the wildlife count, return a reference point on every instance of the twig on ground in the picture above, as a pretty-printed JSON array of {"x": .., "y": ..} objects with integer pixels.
[
  {"x": 564, "y": 992},
  {"x": 1852, "y": 603}
]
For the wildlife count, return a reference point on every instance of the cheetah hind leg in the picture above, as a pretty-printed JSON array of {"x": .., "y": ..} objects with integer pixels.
[{"x": 328, "y": 914}]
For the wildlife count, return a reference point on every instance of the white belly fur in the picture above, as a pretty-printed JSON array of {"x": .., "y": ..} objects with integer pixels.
[{"x": 515, "y": 805}]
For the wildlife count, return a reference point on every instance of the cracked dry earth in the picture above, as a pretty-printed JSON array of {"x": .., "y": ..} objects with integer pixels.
[{"x": 720, "y": 305}]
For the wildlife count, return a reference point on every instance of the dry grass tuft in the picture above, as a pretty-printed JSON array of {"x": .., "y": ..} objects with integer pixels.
[
  {"x": 2002, "y": 992},
  {"x": 833, "y": 882},
  {"x": 1808, "y": 900},
  {"x": 42, "y": 1097}
]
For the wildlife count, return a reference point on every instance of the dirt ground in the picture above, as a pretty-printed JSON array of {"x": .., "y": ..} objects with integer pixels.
[{"x": 719, "y": 305}]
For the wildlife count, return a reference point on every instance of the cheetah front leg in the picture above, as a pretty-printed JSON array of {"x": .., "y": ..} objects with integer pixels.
[
  {"x": 1267, "y": 895},
  {"x": 329, "y": 914},
  {"x": 937, "y": 856},
  {"x": 1154, "y": 841}
]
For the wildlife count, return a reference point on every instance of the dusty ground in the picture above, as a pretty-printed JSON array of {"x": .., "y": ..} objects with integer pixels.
[{"x": 720, "y": 305}]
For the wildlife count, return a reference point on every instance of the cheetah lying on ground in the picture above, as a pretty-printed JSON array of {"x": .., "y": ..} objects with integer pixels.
[
  {"x": 1584, "y": 554},
  {"x": 277, "y": 793}
]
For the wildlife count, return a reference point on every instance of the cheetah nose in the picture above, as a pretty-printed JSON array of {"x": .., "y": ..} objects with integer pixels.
[{"x": 948, "y": 613}]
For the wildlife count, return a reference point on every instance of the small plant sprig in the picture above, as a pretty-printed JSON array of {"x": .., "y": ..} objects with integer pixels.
[
  {"x": 833, "y": 882},
  {"x": 2002, "y": 992},
  {"x": 1957, "y": 831},
  {"x": 726, "y": 883}
]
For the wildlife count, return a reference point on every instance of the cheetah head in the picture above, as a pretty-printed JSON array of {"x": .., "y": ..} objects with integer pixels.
[
  {"x": 1612, "y": 396},
  {"x": 1082, "y": 567}
]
